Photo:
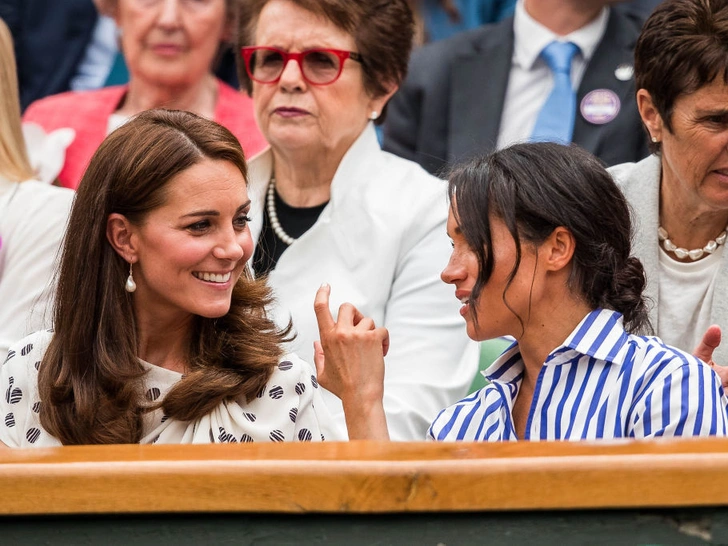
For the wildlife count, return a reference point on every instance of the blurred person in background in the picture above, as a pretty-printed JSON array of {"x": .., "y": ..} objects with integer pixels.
[
  {"x": 441, "y": 19},
  {"x": 559, "y": 70},
  {"x": 51, "y": 41},
  {"x": 169, "y": 47},
  {"x": 33, "y": 217},
  {"x": 330, "y": 206}
]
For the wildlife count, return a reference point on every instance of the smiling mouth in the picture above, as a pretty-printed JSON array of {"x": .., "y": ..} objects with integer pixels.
[
  {"x": 213, "y": 277},
  {"x": 465, "y": 300}
]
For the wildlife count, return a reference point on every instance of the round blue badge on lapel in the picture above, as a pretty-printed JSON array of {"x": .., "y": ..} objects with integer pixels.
[{"x": 600, "y": 106}]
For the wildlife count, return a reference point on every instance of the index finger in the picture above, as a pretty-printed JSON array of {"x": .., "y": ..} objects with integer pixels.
[{"x": 324, "y": 318}]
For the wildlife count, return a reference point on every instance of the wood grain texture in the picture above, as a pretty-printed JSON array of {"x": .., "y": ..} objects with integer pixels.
[{"x": 364, "y": 477}]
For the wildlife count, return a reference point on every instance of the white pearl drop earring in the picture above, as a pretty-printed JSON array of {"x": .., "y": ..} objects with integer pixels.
[
  {"x": 374, "y": 115},
  {"x": 130, "y": 285}
]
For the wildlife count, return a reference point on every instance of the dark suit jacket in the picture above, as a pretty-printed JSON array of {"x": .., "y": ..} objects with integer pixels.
[
  {"x": 449, "y": 107},
  {"x": 50, "y": 38},
  {"x": 638, "y": 8}
]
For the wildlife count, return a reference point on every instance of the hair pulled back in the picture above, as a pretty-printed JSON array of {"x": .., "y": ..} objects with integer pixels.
[
  {"x": 90, "y": 379},
  {"x": 535, "y": 188}
]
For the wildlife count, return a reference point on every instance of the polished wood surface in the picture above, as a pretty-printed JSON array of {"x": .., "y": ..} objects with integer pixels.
[{"x": 364, "y": 477}]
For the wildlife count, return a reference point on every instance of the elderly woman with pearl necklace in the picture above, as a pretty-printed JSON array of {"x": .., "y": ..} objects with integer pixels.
[{"x": 330, "y": 207}]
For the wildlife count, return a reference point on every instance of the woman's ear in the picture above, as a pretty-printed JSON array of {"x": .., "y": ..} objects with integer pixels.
[
  {"x": 121, "y": 234},
  {"x": 649, "y": 114},
  {"x": 378, "y": 104},
  {"x": 558, "y": 249}
]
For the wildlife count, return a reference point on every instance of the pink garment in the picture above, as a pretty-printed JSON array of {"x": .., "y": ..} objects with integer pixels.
[{"x": 88, "y": 112}]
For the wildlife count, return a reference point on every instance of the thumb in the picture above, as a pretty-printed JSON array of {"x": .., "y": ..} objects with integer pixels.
[
  {"x": 318, "y": 358},
  {"x": 710, "y": 342}
]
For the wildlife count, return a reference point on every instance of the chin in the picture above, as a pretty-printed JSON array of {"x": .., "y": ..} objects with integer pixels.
[
  {"x": 292, "y": 138},
  {"x": 213, "y": 312},
  {"x": 473, "y": 332}
]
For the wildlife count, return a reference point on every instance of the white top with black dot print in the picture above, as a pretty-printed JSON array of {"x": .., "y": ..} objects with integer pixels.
[{"x": 288, "y": 409}]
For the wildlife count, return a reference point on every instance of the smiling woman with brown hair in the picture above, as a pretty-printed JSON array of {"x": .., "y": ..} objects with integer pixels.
[{"x": 160, "y": 333}]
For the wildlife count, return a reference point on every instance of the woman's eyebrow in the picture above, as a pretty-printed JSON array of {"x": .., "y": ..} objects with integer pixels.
[{"x": 216, "y": 212}]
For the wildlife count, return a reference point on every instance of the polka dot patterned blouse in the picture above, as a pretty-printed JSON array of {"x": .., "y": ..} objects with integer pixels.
[{"x": 290, "y": 407}]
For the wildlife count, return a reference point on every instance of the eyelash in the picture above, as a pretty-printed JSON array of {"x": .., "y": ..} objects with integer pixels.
[
  {"x": 245, "y": 219},
  {"x": 202, "y": 225}
]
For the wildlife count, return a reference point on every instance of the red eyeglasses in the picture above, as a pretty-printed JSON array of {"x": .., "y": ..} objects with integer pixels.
[{"x": 318, "y": 66}]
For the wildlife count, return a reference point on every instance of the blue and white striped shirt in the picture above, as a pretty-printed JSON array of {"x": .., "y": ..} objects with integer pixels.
[{"x": 601, "y": 383}]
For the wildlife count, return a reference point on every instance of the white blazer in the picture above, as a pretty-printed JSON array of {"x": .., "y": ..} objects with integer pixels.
[{"x": 381, "y": 245}]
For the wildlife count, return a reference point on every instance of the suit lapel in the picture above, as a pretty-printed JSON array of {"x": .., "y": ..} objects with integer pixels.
[
  {"x": 615, "y": 49},
  {"x": 477, "y": 92}
]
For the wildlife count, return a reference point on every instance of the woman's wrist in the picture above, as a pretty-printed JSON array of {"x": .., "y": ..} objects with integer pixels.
[{"x": 366, "y": 421}]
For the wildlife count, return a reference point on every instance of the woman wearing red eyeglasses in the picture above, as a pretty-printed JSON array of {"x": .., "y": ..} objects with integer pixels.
[{"x": 330, "y": 206}]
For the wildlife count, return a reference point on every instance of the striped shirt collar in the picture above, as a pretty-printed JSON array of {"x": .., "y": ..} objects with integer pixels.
[{"x": 600, "y": 335}]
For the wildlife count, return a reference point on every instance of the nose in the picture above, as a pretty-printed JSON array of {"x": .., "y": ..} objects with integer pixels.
[
  {"x": 169, "y": 14},
  {"x": 234, "y": 246},
  {"x": 292, "y": 76},
  {"x": 454, "y": 270}
]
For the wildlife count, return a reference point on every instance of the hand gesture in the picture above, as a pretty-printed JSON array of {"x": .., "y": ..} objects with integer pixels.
[{"x": 350, "y": 363}]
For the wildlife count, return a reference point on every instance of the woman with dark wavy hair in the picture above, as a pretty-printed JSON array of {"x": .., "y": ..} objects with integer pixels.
[
  {"x": 541, "y": 252},
  {"x": 160, "y": 331}
]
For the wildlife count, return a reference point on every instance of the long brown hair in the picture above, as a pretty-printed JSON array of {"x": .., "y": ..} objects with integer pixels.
[{"x": 90, "y": 379}]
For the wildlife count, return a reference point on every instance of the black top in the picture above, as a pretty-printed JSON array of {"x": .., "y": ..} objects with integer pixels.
[{"x": 295, "y": 222}]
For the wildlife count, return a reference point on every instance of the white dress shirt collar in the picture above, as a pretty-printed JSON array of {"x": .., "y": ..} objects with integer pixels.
[{"x": 531, "y": 36}]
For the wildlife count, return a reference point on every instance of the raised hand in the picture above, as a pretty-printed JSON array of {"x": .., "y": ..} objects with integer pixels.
[{"x": 350, "y": 363}]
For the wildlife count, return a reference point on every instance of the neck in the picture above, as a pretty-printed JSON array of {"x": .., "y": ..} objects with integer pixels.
[
  {"x": 165, "y": 342},
  {"x": 546, "y": 332},
  {"x": 304, "y": 181},
  {"x": 563, "y": 17},
  {"x": 199, "y": 98},
  {"x": 688, "y": 222}
]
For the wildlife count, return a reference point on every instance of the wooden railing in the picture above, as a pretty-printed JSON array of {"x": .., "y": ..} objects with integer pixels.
[{"x": 364, "y": 477}]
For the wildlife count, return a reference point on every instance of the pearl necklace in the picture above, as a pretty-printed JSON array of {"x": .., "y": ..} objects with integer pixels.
[
  {"x": 273, "y": 215},
  {"x": 694, "y": 254}
]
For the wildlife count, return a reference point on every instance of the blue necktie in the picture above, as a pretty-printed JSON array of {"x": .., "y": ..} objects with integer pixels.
[{"x": 555, "y": 122}]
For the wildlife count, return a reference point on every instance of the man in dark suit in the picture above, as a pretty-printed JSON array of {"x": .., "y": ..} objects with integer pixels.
[
  {"x": 470, "y": 94},
  {"x": 50, "y": 38}
]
